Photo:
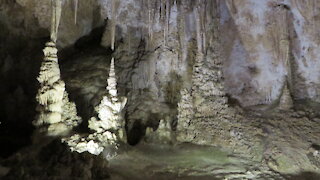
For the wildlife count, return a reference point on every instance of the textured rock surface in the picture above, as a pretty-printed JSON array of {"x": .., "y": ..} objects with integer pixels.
[
  {"x": 57, "y": 116},
  {"x": 53, "y": 160},
  {"x": 177, "y": 62}
]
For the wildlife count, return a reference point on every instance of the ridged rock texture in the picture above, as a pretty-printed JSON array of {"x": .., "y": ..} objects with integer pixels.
[
  {"x": 57, "y": 115},
  {"x": 239, "y": 75}
]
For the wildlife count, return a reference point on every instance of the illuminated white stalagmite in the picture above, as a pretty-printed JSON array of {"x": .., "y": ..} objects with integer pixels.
[
  {"x": 51, "y": 90},
  {"x": 109, "y": 110},
  {"x": 56, "y": 115},
  {"x": 108, "y": 127}
]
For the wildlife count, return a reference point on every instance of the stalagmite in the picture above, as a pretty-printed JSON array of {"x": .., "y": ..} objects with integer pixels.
[
  {"x": 185, "y": 116},
  {"x": 207, "y": 98},
  {"x": 51, "y": 90},
  {"x": 56, "y": 115},
  {"x": 109, "y": 108},
  {"x": 108, "y": 127},
  {"x": 286, "y": 102}
]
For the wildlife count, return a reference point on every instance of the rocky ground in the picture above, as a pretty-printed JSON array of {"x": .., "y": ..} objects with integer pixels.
[{"x": 278, "y": 150}]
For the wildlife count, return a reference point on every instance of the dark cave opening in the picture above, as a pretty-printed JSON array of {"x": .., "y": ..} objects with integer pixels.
[{"x": 136, "y": 133}]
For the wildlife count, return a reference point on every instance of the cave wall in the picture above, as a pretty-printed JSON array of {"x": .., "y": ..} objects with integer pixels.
[{"x": 156, "y": 43}]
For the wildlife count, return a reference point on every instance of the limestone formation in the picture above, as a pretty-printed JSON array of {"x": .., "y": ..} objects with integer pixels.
[
  {"x": 185, "y": 116},
  {"x": 108, "y": 127},
  {"x": 52, "y": 88},
  {"x": 286, "y": 102},
  {"x": 163, "y": 134},
  {"x": 109, "y": 110},
  {"x": 55, "y": 18},
  {"x": 57, "y": 116}
]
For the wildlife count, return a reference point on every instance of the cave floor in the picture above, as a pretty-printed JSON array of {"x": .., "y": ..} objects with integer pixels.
[{"x": 184, "y": 161}]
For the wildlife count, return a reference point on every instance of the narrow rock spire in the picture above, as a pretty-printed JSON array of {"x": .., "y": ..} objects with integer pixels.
[{"x": 112, "y": 81}]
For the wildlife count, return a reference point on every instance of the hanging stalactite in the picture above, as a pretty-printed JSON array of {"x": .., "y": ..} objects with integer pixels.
[
  {"x": 55, "y": 19},
  {"x": 167, "y": 21},
  {"x": 113, "y": 24},
  {"x": 199, "y": 29},
  {"x": 75, "y": 11}
]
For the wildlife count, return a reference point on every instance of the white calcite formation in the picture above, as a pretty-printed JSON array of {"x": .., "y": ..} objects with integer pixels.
[
  {"x": 109, "y": 110},
  {"x": 108, "y": 127},
  {"x": 51, "y": 90},
  {"x": 57, "y": 115}
]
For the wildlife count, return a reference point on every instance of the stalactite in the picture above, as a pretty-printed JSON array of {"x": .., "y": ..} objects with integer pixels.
[
  {"x": 199, "y": 30},
  {"x": 55, "y": 19},
  {"x": 75, "y": 11},
  {"x": 129, "y": 41},
  {"x": 150, "y": 24},
  {"x": 113, "y": 23},
  {"x": 167, "y": 21},
  {"x": 204, "y": 23},
  {"x": 181, "y": 29}
]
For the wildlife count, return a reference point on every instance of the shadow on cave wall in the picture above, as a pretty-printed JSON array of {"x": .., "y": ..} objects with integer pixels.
[
  {"x": 20, "y": 59},
  {"x": 84, "y": 50},
  {"x": 304, "y": 176}
]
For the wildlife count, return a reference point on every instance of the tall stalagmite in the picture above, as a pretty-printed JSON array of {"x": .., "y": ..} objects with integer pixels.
[
  {"x": 109, "y": 109},
  {"x": 57, "y": 115},
  {"x": 207, "y": 98}
]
